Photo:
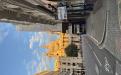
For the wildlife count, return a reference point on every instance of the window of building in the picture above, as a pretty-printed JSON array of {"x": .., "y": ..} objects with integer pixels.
[
  {"x": 64, "y": 63},
  {"x": 80, "y": 64},
  {"x": 63, "y": 70},
  {"x": 74, "y": 64},
  {"x": 68, "y": 69},
  {"x": 69, "y": 64},
  {"x": 78, "y": 72},
  {"x": 82, "y": 72}
]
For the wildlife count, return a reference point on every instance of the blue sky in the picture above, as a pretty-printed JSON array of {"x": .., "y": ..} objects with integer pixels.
[{"x": 21, "y": 53}]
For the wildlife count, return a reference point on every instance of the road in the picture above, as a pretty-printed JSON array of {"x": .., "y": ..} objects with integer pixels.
[{"x": 99, "y": 61}]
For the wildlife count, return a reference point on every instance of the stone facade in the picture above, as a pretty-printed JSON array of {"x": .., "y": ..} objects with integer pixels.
[
  {"x": 32, "y": 11},
  {"x": 71, "y": 66},
  {"x": 39, "y": 27}
]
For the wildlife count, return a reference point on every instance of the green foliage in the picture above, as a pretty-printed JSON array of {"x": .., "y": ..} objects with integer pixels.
[{"x": 71, "y": 50}]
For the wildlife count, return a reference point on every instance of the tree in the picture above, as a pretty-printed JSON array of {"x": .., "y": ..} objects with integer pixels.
[{"x": 71, "y": 50}]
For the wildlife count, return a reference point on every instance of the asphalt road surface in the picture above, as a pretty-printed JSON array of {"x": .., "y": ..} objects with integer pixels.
[{"x": 99, "y": 61}]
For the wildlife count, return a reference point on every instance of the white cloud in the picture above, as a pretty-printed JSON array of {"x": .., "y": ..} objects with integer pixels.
[
  {"x": 40, "y": 61},
  {"x": 36, "y": 38},
  {"x": 39, "y": 65},
  {"x": 3, "y": 35}
]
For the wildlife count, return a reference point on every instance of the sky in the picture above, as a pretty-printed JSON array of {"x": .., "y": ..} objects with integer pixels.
[{"x": 21, "y": 52}]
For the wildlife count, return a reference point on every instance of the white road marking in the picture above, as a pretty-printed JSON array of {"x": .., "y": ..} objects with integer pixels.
[
  {"x": 96, "y": 69},
  {"x": 97, "y": 59}
]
